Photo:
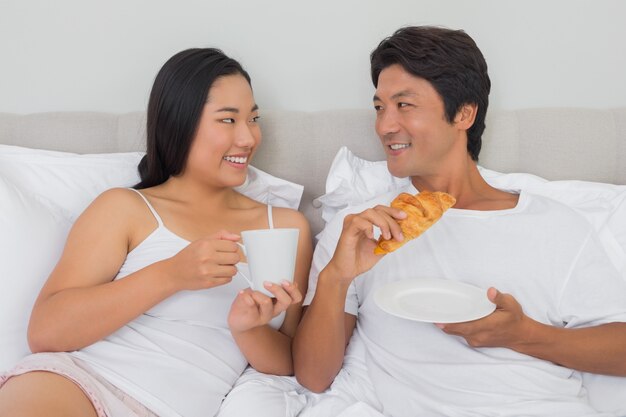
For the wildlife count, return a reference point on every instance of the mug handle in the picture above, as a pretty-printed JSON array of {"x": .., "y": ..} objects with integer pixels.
[{"x": 243, "y": 248}]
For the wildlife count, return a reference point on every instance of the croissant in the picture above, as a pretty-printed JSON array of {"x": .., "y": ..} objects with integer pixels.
[{"x": 422, "y": 210}]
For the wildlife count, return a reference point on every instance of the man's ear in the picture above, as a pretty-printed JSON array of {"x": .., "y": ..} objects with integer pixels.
[{"x": 466, "y": 115}]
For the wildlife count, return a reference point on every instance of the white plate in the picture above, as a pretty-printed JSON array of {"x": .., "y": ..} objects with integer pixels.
[{"x": 434, "y": 300}]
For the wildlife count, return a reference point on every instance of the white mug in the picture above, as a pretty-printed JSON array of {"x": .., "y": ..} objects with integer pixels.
[{"x": 271, "y": 256}]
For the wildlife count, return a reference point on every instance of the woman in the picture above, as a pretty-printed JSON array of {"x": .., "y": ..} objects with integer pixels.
[{"x": 146, "y": 313}]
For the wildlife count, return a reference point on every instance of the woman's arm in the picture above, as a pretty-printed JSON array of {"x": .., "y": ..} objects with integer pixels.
[
  {"x": 266, "y": 349},
  {"x": 80, "y": 303}
]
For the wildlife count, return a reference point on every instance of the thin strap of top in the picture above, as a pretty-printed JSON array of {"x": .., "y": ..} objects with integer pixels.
[
  {"x": 154, "y": 213},
  {"x": 270, "y": 220}
]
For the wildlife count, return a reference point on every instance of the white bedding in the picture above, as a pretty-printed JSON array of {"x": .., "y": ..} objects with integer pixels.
[{"x": 35, "y": 217}]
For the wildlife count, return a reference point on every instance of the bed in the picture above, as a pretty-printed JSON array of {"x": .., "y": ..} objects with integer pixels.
[{"x": 53, "y": 164}]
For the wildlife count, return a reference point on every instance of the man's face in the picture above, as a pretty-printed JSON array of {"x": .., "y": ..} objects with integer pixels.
[{"x": 411, "y": 124}]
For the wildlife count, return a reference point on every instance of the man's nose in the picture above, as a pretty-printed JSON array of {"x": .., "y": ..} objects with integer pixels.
[{"x": 387, "y": 123}]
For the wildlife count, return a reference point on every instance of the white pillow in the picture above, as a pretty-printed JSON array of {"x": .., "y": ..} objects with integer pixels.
[
  {"x": 31, "y": 240},
  {"x": 66, "y": 180},
  {"x": 42, "y": 193},
  {"x": 268, "y": 189},
  {"x": 603, "y": 205},
  {"x": 71, "y": 181},
  {"x": 352, "y": 180}
]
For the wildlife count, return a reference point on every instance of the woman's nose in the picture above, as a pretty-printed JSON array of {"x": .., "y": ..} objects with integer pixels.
[{"x": 247, "y": 136}]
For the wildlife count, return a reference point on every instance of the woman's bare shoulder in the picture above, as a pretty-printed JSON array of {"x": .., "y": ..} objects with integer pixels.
[
  {"x": 117, "y": 195},
  {"x": 118, "y": 213},
  {"x": 287, "y": 217},
  {"x": 122, "y": 205}
]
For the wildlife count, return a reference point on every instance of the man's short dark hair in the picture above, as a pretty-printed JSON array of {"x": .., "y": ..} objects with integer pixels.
[{"x": 450, "y": 61}]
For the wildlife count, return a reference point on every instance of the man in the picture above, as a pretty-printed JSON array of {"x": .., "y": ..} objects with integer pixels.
[{"x": 559, "y": 302}]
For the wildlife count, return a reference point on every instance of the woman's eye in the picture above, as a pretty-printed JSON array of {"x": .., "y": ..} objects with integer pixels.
[{"x": 228, "y": 120}]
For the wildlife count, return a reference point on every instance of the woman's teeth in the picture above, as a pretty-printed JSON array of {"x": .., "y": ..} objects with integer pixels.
[{"x": 236, "y": 159}]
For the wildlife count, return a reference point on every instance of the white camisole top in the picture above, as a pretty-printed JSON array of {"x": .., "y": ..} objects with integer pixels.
[{"x": 178, "y": 358}]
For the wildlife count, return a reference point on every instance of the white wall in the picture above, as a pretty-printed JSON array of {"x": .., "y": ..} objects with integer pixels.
[{"x": 88, "y": 55}]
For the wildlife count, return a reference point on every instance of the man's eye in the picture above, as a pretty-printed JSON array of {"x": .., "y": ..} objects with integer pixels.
[
  {"x": 400, "y": 105},
  {"x": 228, "y": 120},
  {"x": 378, "y": 107},
  {"x": 255, "y": 119}
]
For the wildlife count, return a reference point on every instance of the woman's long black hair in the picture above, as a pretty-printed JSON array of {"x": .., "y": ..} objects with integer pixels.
[{"x": 177, "y": 98}]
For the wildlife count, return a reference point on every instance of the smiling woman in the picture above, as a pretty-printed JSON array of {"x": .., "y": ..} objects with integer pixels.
[
  {"x": 228, "y": 134},
  {"x": 152, "y": 316}
]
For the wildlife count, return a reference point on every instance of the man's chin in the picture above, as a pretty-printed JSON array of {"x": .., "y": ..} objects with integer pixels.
[{"x": 397, "y": 172}]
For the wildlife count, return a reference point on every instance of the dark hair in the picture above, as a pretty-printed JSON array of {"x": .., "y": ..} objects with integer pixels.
[
  {"x": 178, "y": 95},
  {"x": 450, "y": 61}
]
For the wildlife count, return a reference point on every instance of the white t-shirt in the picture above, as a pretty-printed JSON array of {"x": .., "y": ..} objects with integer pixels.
[{"x": 540, "y": 251}]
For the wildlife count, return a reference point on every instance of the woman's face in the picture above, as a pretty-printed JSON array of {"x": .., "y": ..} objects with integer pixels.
[{"x": 228, "y": 134}]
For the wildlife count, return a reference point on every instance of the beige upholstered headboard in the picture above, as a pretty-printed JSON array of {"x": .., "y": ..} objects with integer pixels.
[{"x": 555, "y": 143}]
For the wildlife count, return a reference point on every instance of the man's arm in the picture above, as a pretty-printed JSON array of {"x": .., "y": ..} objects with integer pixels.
[
  {"x": 598, "y": 349},
  {"x": 322, "y": 336}
]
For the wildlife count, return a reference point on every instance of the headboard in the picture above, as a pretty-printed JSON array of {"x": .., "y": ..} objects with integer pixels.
[{"x": 555, "y": 143}]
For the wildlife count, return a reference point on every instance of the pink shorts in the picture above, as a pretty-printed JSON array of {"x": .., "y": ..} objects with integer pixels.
[{"x": 108, "y": 400}]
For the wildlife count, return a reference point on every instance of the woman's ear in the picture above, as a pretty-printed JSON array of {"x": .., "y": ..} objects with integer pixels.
[{"x": 466, "y": 115}]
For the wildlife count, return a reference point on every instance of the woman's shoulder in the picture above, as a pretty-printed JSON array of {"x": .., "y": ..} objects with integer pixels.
[
  {"x": 122, "y": 203},
  {"x": 287, "y": 217},
  {"x": 118, "y": 198},
  {"x": 119, "y": 211}
]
